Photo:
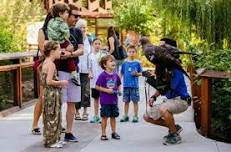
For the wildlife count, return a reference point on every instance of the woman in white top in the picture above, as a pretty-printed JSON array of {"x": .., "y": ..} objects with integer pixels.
[{"x": 84, "y": 75}]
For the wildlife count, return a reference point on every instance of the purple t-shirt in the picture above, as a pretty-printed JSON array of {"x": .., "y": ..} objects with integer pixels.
[{"x": 107, "y": 80}]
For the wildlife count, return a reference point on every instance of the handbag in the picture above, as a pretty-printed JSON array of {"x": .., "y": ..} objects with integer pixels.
[
  {"x": 37, "y": 61},
  {"x": 120, "y": 53}
]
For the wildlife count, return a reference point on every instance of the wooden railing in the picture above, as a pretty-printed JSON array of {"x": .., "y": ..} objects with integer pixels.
[
  {"x": 19, "y": 61},
  {"x": 202, "y": 98}
]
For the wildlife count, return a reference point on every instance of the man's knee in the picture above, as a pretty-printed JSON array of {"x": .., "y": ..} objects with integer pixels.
[
  {"x": 163, "y": 110},
  {"x": 146, "y": 118}
]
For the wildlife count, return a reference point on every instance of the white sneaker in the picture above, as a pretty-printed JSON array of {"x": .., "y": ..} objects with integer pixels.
[{"x": 56, "y": 145}]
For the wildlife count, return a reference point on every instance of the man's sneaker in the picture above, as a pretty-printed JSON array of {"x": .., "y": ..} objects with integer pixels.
[
  {"x": 115, "y": 136},
  {"x": 124, "y": 119},
  {"x": 70, "y": 137},
  {"x": 95, "y": 119},
  {"x": 179, "y": 129},
  {"x": 135, "y": 119},
  {"x": 173, "y": 138}
]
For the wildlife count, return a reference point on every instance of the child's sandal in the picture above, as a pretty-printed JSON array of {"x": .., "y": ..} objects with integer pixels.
[
  {"x": 104, "y": 137},
  {"x": 77, "y": 117},
  {"x": 85, "y": 117}
]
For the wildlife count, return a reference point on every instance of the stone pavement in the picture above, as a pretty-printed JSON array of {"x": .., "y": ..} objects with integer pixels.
[{"x": 15, "y": 135}]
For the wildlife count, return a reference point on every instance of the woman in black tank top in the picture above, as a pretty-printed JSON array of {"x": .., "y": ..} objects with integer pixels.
[{"x": 42, "y": 37}]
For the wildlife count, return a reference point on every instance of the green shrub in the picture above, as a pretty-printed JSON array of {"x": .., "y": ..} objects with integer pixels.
[
  {"x": 6, "y": 36},
  {"x": 221, "y": 93},
  {"x": 14, "y": 17}
]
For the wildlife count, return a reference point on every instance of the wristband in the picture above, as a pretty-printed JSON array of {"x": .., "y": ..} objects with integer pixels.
[{"x": 154, "y": 97}]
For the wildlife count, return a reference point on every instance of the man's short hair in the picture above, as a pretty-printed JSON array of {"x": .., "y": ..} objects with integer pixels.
[
  {"x": 169, "y": 41},
  {"x": 73, "y": 6}
]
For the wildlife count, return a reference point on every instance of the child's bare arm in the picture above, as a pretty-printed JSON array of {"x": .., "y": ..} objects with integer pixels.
[
  {"x": 50, "y": 75},
  {"x": 90, "y": 74},
  {"x": 137, "y": 74}
]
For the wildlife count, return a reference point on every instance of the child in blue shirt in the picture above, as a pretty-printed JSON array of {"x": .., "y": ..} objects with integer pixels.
[{"x": 130, "y": 71}]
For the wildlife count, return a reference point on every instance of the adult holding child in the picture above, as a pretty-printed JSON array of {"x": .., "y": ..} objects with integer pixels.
[{"x": 72, "y": 93}]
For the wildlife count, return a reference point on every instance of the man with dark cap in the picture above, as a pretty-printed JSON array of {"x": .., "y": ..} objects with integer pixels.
[{"x": 177, "y": 96}]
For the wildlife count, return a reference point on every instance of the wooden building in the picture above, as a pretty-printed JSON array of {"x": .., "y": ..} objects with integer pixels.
[{"x": 98, "y": 13}]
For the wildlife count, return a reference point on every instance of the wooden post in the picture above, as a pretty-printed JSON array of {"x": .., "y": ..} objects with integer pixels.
[
  {"x": 18, "y": 86},
  {"x": 205, "y": 105}
]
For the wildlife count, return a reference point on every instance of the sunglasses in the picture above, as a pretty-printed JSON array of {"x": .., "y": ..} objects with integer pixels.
[{"x": 75, "y": 15}]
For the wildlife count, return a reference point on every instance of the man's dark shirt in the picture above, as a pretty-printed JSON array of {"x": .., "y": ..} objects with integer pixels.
[{"x": 76, "y": 38}]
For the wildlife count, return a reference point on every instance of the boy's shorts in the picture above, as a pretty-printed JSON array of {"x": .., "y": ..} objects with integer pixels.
[
  {"x": 109, "y": 110},
  {"x": 94, "y": 93},
  {"x": 131, "y": 94}
]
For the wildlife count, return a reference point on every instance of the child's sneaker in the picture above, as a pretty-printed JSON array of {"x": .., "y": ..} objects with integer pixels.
[
  {"x": 124, "y": 119},
  {"x": 75, "y": 78},
  {"x": 95, "y": 119},
  {"x": 135, "y": 119},
  {"x": 173, "y": 138}
]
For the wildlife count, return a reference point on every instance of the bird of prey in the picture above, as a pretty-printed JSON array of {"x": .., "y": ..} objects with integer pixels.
[{"x": 163, "y": 57}]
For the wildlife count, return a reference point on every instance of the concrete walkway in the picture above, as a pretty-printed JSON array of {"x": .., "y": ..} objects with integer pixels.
[{"x": 15, "y": 135}]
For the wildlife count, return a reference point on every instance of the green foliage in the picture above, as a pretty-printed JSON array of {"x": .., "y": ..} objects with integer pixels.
[
  {"x": 221, "y": 110},
  {"x": 204, "y": 26},
  {"x": 14, "y": 17},
  {"x": 219, "y": 60},
  {"x": 6, "y": 37},
  {"x": 210, "y": 19},
  {"x": 3, "y": 102},
  {"x": 135, "y": 15},
  {"x": 221, "y": 93}
]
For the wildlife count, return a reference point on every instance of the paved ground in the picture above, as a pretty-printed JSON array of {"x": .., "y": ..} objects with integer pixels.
[{"x": 15, "y": 136}]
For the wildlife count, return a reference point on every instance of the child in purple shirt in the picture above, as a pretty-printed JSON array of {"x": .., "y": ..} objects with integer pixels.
[{"x": 108, "y": 84}]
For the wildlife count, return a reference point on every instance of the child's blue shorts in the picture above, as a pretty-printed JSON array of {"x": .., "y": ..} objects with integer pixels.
[
  {"x": 109, "y": 110},
  {"x": 131, "y": 94}
]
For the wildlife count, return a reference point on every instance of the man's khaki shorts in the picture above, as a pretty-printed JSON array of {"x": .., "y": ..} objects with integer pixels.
[{"x": 175, "y": 106}]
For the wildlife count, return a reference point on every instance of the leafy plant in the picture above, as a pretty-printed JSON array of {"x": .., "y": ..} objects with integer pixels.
[
  {"x": 204, "y": 26},
  {"x": 14, "y": 17},
  {"x": 6, "y": 37},
  {"x": 135, "y": 15}
]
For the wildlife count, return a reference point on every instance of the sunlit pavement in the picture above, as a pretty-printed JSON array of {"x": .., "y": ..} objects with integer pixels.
[{"x": 15, "y": 135}]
